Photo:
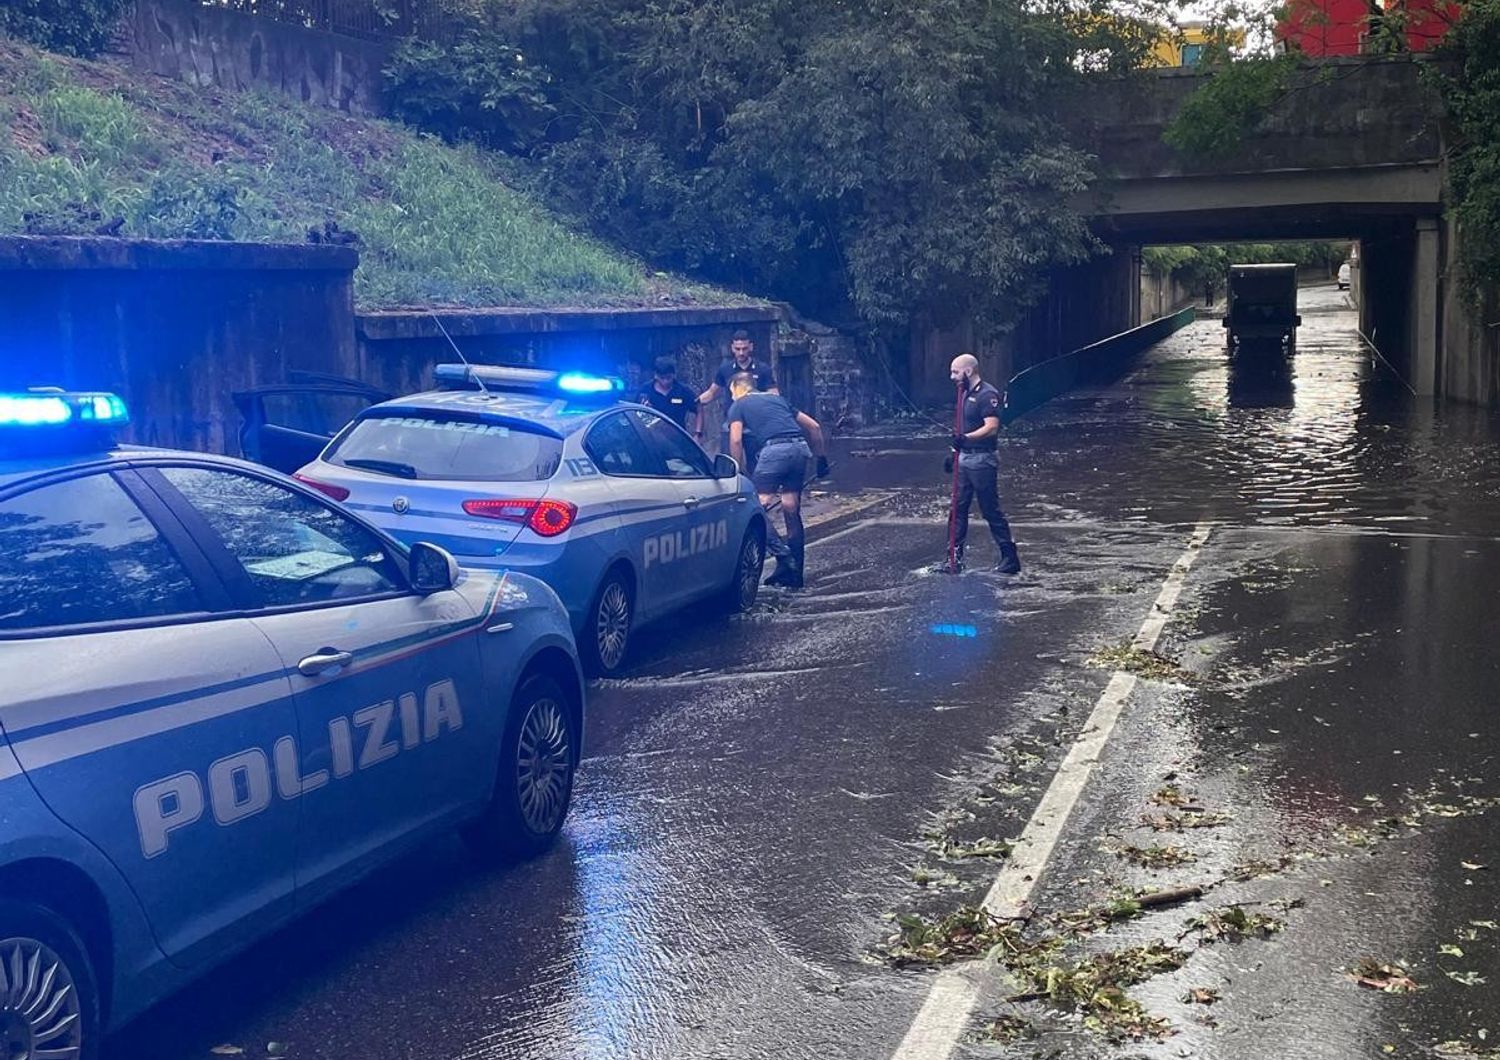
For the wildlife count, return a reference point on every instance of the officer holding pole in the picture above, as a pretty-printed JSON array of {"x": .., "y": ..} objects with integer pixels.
[{"x": 977, "y": 470}]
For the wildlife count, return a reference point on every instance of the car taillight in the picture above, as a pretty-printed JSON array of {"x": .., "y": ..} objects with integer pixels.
[
  {"x": 546, "y": 518},
  {"x": 338, "y": 493}
]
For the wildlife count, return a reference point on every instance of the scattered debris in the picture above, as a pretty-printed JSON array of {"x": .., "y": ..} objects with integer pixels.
[
  {"x": 1178, "y": 822},
  {"x": 968, "y": 932},
  {"x": 1257, "y": 868},
  {"x": 1202, "y": 995},
  {"x": 1170, "y": 795},
  {"x": 984, "y": 847},
  {"x": 1232, "y": 923},
  {"x": 1380, "y": 975},
  {"x": 1007, "y": 1029},
  {"x": 1098, "y": 917},
  {"x": 1152, "y": 857},
  {"x": 1128, "y": 658},
  {"x": 1095, "y": 987}
]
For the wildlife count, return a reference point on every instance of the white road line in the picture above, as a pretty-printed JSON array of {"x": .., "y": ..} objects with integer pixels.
[{"x": 945, "y": 1013}]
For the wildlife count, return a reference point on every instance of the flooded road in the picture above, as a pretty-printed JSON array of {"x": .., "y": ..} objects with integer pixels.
[{"x": 1315, "y": 739}]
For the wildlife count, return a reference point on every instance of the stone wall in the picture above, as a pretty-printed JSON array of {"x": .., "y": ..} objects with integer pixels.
[
  {"x": 1163, "y": 294},
  {"x": 214, "y": 47},
  {"x": 173, "y": 327},
  {"x": 177, "y": 327}
]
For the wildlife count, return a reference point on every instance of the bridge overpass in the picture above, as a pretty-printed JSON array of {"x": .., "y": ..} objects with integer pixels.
[{"x": 1354, "y": 149}]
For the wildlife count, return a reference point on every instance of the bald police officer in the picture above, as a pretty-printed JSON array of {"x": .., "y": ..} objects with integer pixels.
[{"x": 977, "y": 451}]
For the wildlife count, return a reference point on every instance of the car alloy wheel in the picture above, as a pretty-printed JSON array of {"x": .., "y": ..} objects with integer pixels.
[
  {"x": 612, "y": 625},
  {"x": 543, "y": 763},
  {"x": 40, "y": 1010},
  {"x": 752, "y": 562}
]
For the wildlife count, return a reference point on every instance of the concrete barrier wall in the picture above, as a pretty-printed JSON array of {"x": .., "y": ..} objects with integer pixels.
[
  {"x": 214, "y": 47},
  {"x": 177, "y": 327},
  {"x": 1093, "y": 365},
  {"x": 173, "y": 327}
]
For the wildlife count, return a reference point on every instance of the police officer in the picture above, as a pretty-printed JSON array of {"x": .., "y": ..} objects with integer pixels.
[
  {"x": 673, "y": 400},
  {"x": 977, "y": 450},
  {"x": 788, "y": 439},
  {"x": 741, "y": 359}
]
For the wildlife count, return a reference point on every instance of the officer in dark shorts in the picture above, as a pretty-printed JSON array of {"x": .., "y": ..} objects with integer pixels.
[
  {"x": 977, "y": 451},
  {"x": 788, "y": 439},
  {"x": 741, "y": 359},
  {"x": 673, "y": 400}
]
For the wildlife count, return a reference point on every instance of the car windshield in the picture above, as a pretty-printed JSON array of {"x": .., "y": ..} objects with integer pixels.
[{"x": 438, "y": 445}]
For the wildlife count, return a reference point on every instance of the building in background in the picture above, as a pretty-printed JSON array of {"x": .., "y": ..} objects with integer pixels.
[
  {"x": 1325, "y": 28},
  {"x": 1183, "y": 49}
]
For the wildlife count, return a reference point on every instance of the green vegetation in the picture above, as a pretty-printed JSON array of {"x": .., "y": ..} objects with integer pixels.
[
  {"x": 73, "y": 27},
  {"x": 873, "y": 163},
  {"x": 92, "y": 149},
  {"x": 1205, "y": 267},
  {"x": 1216, "y": 118},
  {"x": 1473, "y": 98}
]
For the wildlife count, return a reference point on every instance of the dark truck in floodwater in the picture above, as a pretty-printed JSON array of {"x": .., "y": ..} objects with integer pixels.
[{"x": 1262, "y": 308}]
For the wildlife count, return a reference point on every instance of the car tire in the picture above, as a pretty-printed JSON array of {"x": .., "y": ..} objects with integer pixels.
[
  {"x": 534, "y": 781},
  {"x": 59, "y": 1008},
  {"x": 605, "y": 639},
  {"x": 749, "y": 563}
]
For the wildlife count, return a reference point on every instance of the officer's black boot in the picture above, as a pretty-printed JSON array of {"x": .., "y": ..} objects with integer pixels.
[
  {"x": 794, "y": 572},
  {"x": 1010, "y": 561}
]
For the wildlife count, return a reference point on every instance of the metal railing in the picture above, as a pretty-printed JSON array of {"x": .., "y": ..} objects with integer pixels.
[{"x": 370, "y": 19}]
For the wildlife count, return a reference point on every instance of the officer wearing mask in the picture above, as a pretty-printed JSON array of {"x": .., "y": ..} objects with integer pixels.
[
  {"x": 788, "y": 439},
  {"x": 673, "y": 400},
  {"x": 977, "y": 451}
]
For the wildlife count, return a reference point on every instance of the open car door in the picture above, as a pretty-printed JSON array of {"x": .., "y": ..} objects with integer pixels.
[{"x": 286, "y": 425}]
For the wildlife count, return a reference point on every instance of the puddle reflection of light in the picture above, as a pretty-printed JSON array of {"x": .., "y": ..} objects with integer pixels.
[{"x": 951, "y": 629}]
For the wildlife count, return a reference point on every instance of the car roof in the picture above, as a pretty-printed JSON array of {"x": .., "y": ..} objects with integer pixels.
[
  {"x": 15, "y": 471},
  {"x": 557, "y": 415}
]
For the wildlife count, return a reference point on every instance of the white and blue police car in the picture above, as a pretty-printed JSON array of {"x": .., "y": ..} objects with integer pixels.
[
  {"x": 611, "y": 504},
  {"x": 224, "y": 698}
]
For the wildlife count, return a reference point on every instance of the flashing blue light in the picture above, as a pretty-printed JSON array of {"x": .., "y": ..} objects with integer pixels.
[
  {"x": 950, "y": 629},
  {"x": 583, "y": 383},
  {"x": 34, "y": 410},
  {"x": 58, "y": 409}
]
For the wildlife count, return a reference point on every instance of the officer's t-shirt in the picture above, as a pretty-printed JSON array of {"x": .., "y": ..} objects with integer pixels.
[
  {"x": 980, "y": 404},
  {"x": 765, "y": 379},
  {"x": 765, "y": 416},
  {"x": 676, "y": 404}
]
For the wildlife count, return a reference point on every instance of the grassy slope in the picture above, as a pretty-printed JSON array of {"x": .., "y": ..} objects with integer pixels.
[{"x": 94, "y": 146}]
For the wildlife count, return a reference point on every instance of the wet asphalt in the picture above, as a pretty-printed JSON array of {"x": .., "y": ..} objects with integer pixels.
[{"x": 761, "y": 794}]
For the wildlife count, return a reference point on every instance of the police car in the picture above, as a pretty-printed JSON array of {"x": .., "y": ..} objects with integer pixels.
[
  {"x": 224, "y": 698},
  {"x": 611, "y": 504}
]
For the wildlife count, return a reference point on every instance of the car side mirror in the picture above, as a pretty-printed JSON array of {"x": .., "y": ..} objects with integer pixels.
[
  {"x": 432, "y": 569},
  {"x": 725, "y": 467}
]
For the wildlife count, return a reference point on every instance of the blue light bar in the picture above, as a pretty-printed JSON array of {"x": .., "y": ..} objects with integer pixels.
[
  {"x": 583, "y": 383},
  {"x": 56, "y": 408},
  {"x": 536, "y": 380}
]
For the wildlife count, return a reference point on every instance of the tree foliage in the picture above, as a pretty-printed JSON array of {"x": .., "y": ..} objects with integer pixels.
[
  {"x": 868, "y": 161},
  {"x": 1206, "y": 266},
  {"x": 73, "y": 27},
  {"x": 1472, "y": 94}
]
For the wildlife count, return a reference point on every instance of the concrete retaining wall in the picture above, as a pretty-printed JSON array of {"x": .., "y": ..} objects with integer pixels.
[
  {"x": 214, "y": 47},
  {"x": 176, "y": 327},
  {"x": 1083, "y": 304},
  {"x": 173, "y": 327}
]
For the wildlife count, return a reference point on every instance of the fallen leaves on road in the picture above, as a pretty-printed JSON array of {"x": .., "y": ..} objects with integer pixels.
[
  {"x": 1178, "y": 822},
  {"x": 1380, "y": 975},
  {"x": 1233, "y": 923},
  {"x": 967, "y": 932},
  {"x": 1126, "y": 657},
  {"x": 1152, "y": 857},
  {"x": 1170, "y": 795},
  {"x": 985, "y": 847},
  {"x": 1202, "y": 995},
  {"x": 1095, "y": 987},
  {"x": 1007, "y": 1029}
]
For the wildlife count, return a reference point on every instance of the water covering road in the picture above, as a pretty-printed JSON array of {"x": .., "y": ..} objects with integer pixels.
[{"x": 760, "y": 795}]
